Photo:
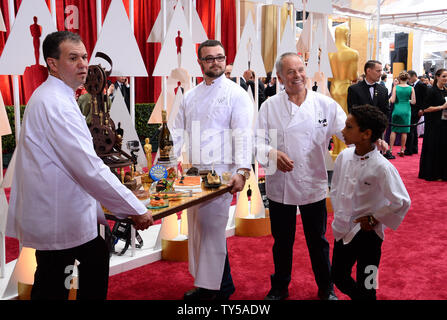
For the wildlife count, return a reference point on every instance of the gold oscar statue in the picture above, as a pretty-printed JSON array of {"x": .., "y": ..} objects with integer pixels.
[
  {"x": 148, "y": 153},
  {"x": 344, "y": 65},
  {"x": 146, "y": 180}
]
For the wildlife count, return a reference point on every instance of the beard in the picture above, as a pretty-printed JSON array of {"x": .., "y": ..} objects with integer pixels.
[{"x": 215, "y": 73}]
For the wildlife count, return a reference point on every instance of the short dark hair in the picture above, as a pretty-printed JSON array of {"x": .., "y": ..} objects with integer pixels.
[
  {"x": 370, "y": 117},
  {"x": 384, "y": 76},
  {"x": 269, "y": 77},
  {"x": 209, "y": 43},
  {"x": 412, "y": 73},
  {"x": 371, "y": 64},
  {"x": 50, "y": 46}
]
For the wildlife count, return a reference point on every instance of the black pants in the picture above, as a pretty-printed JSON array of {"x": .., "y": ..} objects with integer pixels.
[
  {"x": 55, "y": 268},
  {"x": 227, "y": 285},
  {"x": 365, "y": 249},
  {"x": 283, "y": 225},
  {"x": 411, "y": 145}
]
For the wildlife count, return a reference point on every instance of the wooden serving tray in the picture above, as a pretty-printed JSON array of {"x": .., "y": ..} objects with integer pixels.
[{"x": 182, "y": 203}]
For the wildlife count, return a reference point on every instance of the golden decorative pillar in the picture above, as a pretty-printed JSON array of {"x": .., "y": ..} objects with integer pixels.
[
  {"x": 269, "y": 34},
  {"x": 359, "y": 40},
  {"x": 410, "y": 51},
  {"x": 268, "y": 28}
]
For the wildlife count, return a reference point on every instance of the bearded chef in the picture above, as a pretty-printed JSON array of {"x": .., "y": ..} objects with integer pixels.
[
  {"x": 214, "y": 122},
  {"x": 296, "y": 173}
]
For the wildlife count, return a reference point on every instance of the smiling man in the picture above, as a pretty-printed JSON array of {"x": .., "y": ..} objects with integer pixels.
[
  {"x": 60, "y": 183},
  {"x": 214, "y": 115},
  {"x": 304, "y": 121}
]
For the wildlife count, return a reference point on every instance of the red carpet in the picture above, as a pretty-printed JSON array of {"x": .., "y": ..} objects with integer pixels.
[{"x": 413, "y": 264}]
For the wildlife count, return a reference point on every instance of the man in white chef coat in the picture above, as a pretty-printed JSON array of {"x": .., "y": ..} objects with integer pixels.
[
  {"x": 59, "y": 182},
  {"x": 214, "y": 121},
  {"x": 296, "y": 176}
]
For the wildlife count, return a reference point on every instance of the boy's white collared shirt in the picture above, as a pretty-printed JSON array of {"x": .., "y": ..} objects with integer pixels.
[{"x": 366, "y": 185}]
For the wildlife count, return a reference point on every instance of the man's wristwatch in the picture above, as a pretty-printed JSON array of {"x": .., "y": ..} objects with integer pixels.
[{"x": 244, "y": 173}]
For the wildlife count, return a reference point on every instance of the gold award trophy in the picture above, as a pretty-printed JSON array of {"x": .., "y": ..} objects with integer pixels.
[{"x": 344, "y": 64}]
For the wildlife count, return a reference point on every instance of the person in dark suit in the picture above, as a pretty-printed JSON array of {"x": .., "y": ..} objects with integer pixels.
[
  {"x": 420, "y": 90},
  {"x": 370, "y": 92},
  {"x": 270, "y": 89},
  {"x": 122, "y": 83},
  {"x": 248, "y": 80}
]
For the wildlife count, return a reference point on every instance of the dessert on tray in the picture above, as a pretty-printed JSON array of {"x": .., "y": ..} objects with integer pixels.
[
  {"x": 187, "y": 183},
  {"x": 213, "y": 178},
  {"x": 157, "y": 202}
]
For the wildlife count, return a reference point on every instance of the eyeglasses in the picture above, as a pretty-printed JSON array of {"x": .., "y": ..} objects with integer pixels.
[{"x": 211, "y": 59}]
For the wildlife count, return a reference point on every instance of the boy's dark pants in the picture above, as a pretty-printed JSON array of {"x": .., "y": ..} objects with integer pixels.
[{"x": 365, "y": 249}]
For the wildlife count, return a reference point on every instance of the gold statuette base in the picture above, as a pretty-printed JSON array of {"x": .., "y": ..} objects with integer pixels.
[
  {"x": 174, "y": 250},
  {"x": 253, "y": 227}
]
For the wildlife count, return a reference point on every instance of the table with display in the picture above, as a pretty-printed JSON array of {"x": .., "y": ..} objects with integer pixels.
[{"x": 175, "y": 206}]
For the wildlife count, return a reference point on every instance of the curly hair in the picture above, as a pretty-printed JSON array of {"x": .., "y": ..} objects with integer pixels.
[
  {"x": 403, "y": 76},
  {"x": 370, "y": 117}
]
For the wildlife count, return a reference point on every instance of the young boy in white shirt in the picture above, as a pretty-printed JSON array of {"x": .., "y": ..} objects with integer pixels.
[{"x": 367, "y": 195}]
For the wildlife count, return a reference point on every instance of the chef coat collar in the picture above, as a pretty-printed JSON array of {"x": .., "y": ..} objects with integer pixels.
[
  {"x": 365, "y": 156},
  {"x": 62, "y": 85},
  {"x": 292, "y": 107},
  {"x": 216, "y": 81}
]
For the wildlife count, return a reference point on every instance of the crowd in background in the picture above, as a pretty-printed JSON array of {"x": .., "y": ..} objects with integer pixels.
[{"x": 418, "y": 110}]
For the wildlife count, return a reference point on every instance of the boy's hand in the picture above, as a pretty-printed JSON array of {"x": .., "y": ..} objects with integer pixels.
[
  {"x": 367, "y": 223},
  {"x": 381, "y": 145}
]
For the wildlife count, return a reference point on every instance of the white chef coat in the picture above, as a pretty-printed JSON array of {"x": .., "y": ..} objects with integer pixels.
[
  {"x": 362, "y": 186},
  {"x": 224, "y": 112},
  {"x": 303, "y": 133},
  {"x": 212, "y": 117},
  {"x": 59, "y": 180}
]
